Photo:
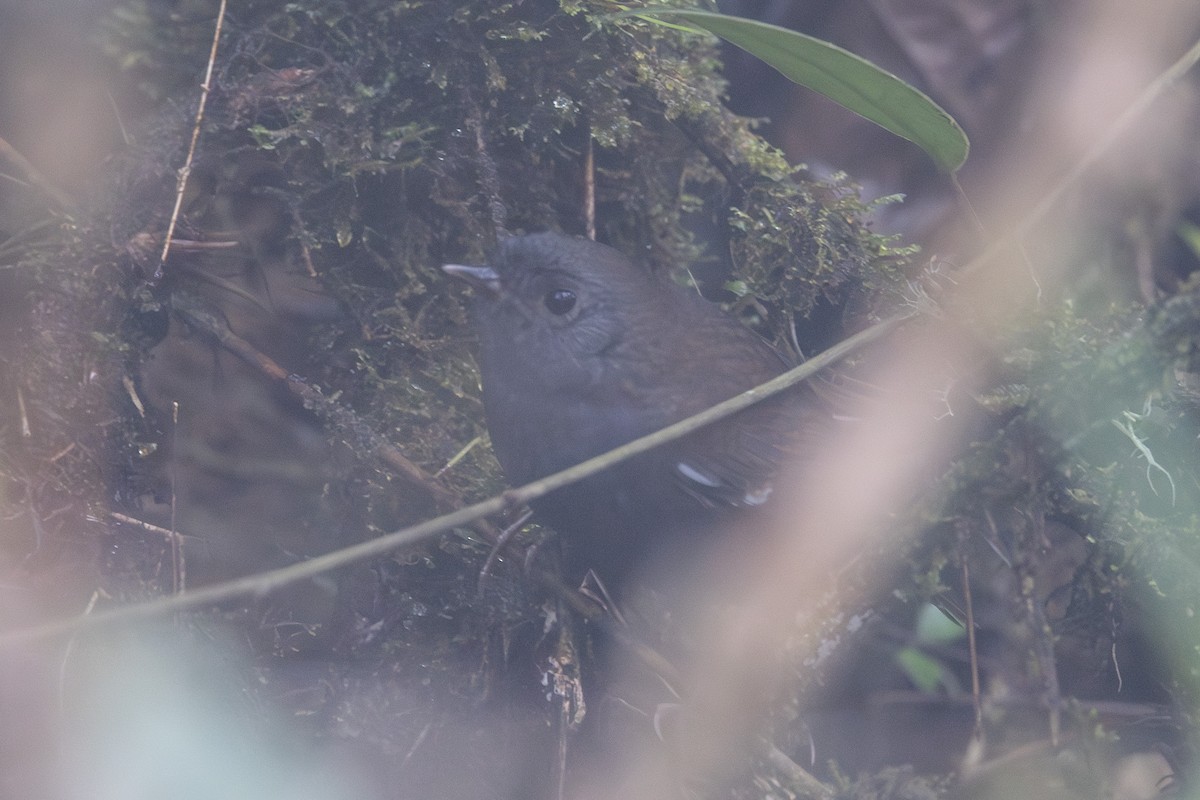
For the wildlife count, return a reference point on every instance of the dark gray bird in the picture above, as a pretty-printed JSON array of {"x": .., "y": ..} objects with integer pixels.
[{"x": 582, "y": 350}]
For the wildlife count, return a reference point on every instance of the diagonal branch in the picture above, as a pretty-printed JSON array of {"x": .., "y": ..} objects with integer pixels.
[{"x": 266, "y": 582}]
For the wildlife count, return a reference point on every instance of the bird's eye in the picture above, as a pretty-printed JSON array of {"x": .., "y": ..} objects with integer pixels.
[{"x": 559, "y": 301}]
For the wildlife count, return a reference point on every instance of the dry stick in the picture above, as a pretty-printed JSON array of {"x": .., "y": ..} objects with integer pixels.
[
  {"x": 178, "y": 568},
  {"x": 26, "y": 429},
  {"x": 976, "y": 693},
  {"x": 342, "y": 417},
  {"x": 489, "y": 176},
  {"x": 506, "y": 536},
  {"x": 141, "y": 523},
  {"x": 801, "y": 777},
  {"x": 186, "y": 169},
  {"x": 589, "y": 187},
  {"x": 1043, "y": 651},
  {"x": 260, "y": 584},
  {"x": 266, "y": 582}
]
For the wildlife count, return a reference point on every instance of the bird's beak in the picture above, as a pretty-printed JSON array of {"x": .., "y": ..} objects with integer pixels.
[{"x": 479, "y": 277}]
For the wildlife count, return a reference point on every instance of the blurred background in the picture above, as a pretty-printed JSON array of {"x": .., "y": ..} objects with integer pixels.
[{"x": 1022, "y": 460}]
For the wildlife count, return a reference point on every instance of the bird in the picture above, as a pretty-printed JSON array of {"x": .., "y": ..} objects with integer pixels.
[{"x": 582, "y": 350}]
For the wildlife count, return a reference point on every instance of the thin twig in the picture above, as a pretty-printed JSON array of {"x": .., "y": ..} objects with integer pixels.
[
  {"x": 976, "y": 692},
  {"x": 339, "y": 415},
  {"x": 489, "y": 177},
  {"x": 112, "y": 102},
  {"x": 264, "y": 583},
  {"x": 141, "y": 523},
  {"x": 1136, "y": 109},
  {"x": 70, "y": 647},
  {"x": 589, "y": 187},
  {"x": 186, "y": 170},
  {"x": 178, "y": 569},
  {"x": 26, "y": 430},
  {"x": 804, "y": 779},
  {"x": 260, "y": 584},
  {"x": 506, "y": 536}
]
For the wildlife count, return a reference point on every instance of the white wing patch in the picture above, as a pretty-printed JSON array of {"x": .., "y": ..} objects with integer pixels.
[{"x": 696, "y": 476}]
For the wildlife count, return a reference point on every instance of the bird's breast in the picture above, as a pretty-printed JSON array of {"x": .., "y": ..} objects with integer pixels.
[{"x": 535, "y": 434}]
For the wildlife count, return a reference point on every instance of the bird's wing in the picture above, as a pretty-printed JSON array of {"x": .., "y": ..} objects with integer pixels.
[{"x": 734, "y": 463}]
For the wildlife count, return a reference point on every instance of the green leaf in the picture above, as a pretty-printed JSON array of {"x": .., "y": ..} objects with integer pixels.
[
  {"x": 935, "y": 627},
  {"x": 1190, "y": 234},
  {"x": 925, "y": 673},
  {"x": 841, "y": 76}
]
